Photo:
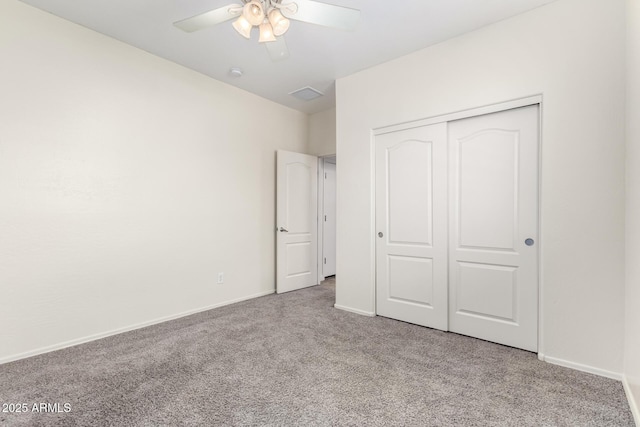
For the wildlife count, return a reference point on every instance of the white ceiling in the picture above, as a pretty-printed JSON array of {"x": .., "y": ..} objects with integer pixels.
[{"x": 318, "y": 55}]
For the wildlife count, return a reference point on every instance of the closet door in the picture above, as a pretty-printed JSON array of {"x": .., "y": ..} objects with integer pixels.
[
  {"x": 493, "y": 246},
  {"x": 411, "y": 225}
]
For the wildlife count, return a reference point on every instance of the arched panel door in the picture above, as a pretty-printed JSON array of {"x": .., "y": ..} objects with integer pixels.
[
  {"x": 493, "y": 254},
  {"x": 297, "y": 221},
  {"x": 411, "y": 225}
]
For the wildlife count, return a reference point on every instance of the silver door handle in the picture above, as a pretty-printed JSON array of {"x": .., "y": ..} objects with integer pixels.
[{"x": 283, "y": 230}]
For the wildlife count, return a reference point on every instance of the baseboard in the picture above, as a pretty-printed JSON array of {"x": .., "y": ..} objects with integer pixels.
[
  {"x": 583, "y": 368},
  {"x": 355, "y": 310},
  {"x": 101, "y": 335},
  {"x": 632, "y": 400}
]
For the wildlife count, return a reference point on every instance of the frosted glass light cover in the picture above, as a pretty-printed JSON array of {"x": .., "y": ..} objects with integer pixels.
[
  {"x": 253, "y": 13},
  {"x": 243, "y": 27},
  {"x": 279, "y": 23},
  {"x": 266, "y": 32}
]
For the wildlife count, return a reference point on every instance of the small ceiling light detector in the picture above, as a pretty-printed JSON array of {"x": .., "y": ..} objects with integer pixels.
[{"x": 236, "y": 72}]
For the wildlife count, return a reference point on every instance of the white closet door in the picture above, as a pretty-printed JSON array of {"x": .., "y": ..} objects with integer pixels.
[
  {"x": 493, "y": 291},
  {"x": 411, "y": 222}
]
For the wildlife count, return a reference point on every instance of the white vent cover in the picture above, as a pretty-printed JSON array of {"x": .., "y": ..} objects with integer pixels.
[{"x": 306, "y": 93}]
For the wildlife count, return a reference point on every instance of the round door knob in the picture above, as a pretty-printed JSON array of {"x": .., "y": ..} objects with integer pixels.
[
  {"x": 529, "y": 242},
  {"x": 380, "y": 234}
]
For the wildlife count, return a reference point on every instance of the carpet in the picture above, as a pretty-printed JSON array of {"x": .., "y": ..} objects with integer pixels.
[{"x": 294, "y": 360}]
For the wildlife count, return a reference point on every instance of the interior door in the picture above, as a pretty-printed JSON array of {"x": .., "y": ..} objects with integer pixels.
[
  {"x": 411, "y": 225},
  {"x": 329, "y": 218},
  {"x": 494, "y": 227},
  {"x": 297, "y": 221}
]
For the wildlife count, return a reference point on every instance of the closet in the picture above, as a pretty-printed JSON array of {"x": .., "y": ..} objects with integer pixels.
[{"x": 457, "y": 225}]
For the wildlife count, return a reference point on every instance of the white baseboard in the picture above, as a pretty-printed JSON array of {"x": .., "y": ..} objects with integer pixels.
[
  {"x": 581, "y": 367},
  {"x": 632, "y": 400},
  {"x": 355, "y": 310},
  {"x": 101, "y": 335}
]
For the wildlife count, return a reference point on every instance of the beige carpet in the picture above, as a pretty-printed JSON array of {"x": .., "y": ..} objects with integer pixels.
[{"x": 291, "y": 360}]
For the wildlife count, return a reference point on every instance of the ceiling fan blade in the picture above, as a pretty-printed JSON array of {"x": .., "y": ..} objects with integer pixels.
[
  {"x": 325, "y": 14},
  {"x": 209, "y": 19},
  {"x": 278, "y": 49}
]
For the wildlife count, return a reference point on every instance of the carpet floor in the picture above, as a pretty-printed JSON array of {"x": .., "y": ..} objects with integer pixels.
[{"x": 294, "y": 360}]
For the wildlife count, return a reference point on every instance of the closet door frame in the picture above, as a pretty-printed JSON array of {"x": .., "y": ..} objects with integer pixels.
[{"x": 463, "y": 114}]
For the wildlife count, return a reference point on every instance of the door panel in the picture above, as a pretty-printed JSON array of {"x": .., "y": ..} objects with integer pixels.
[
  {"x": 411, "y": 276},
  {"x": 298, "y": 203},
  {"x": 493, "y": 288},
  {"x": 488, "y": 167},
  {"x": 296, "y": 242},
  {"x": 298, "y": 259},
  {"x": 410, "y": 192},
  {"x": 411, "y": 279},
  {"x": 486, "y": 290}
]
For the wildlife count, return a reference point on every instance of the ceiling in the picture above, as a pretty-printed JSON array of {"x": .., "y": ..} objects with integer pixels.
[{"x": 318, "y": 55}]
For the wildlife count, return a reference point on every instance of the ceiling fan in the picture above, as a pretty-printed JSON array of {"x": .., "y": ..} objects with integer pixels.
[{"x": 272, "y": 18}]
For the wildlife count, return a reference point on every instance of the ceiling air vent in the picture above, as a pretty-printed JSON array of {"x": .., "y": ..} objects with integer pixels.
[{"x": 306, "y": 93}]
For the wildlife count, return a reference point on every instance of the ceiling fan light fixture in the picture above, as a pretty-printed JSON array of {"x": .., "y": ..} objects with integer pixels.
[
  {"x": 279, "y": 23},
  {"x": 253, "y": 12},
  {"x": 266, "y": 32},
  {"x": 243, "y": 27}
]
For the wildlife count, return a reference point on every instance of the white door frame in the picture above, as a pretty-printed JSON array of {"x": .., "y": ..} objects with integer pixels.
[
  {"x": 463, "y": 114},
  {"x": 321, "y": 160}
]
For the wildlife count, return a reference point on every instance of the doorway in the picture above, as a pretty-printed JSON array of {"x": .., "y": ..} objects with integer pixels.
[
  {"x": 305, "y": 220},
  {"x": 328, "y": 216}
]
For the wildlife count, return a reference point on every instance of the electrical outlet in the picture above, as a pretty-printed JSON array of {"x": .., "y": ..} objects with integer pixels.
[{"x": 220, "y": 278}]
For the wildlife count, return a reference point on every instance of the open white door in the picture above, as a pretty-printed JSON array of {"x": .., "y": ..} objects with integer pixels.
[
  {"x": 494, "y": 227},
  {"x": 411, "y": 225},
  {"x": 297, "y": 221}
]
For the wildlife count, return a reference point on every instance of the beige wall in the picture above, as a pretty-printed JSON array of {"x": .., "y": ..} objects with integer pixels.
[
  {"x": 322, "y": 133},
  {"x": 632, "y": 341},
  {"x": 571, "y": 52},
  {"x": 127, "y": 184}
]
